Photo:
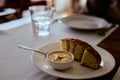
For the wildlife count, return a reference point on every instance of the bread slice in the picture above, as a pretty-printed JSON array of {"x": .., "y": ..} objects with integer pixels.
[
  {"x": 68, "y": 44},
  {"x": 78, "y": 51},
  {"x": 64, "y": 44},
  {"x": 72, "y": 45},
  {"x": 91, "y": 58}
]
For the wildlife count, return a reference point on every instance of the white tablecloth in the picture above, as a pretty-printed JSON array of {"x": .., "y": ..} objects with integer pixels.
[{"x": 16, "y": 63}]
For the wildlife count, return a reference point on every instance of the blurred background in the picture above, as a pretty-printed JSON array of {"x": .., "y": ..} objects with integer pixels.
[
  {"x": 14, "y": 9},
  {"x": 108, "y": 9}
]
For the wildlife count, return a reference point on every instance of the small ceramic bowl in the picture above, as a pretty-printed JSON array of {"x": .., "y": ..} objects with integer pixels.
[{"x": 60, "y": 60}]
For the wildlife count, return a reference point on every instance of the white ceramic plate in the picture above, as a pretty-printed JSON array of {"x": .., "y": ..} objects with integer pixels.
[
  {"x": 76, "y": 71},
  {"x": 85, "y": 22}
]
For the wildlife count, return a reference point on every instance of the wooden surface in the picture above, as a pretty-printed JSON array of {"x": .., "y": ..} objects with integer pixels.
[{"x": 112, "y": 44}]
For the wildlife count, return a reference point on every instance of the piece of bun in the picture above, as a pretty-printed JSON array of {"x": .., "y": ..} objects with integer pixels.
[
  {"x": 82, "y": 51},
  {"x": 91, "y": 58}
]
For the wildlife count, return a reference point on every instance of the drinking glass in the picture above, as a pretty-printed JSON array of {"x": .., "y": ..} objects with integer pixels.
[{"x": 42, "y": 17}]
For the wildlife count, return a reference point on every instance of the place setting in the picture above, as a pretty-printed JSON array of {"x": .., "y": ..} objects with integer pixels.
[
  {"x": 74, "y": 69},
  {"x": 87, "y": 23}
]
